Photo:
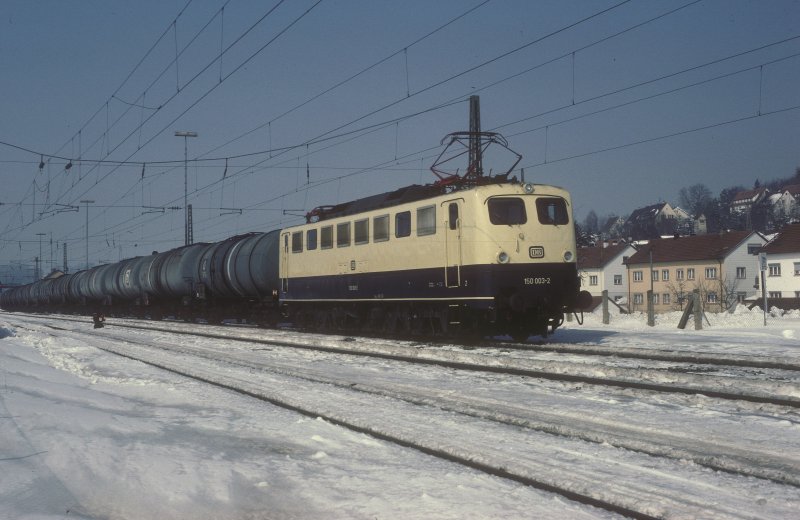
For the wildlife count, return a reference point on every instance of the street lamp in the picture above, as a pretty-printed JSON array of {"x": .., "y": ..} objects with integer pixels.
[
  {"x": 187, "y": 239},
  {"x": 87, "y": 202},
  {"x": 39, "y": 258}
]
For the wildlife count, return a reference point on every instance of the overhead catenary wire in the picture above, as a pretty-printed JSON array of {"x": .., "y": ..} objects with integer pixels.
[
  {"x": 516, "y": 122},
  {"x": 196, "y": 76}
]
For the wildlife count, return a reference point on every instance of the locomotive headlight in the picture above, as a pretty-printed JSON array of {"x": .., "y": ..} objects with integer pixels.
[
  {"x": 503, "y": 257},
  {"x": 528, "y": 188},
  {"x": 568, "y": 256}
]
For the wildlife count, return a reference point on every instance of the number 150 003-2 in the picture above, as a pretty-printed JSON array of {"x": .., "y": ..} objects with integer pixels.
[{"x": 537, "y": 281}]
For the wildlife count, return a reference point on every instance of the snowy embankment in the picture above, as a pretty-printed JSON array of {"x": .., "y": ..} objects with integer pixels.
[{"x": 96, "y": 433}]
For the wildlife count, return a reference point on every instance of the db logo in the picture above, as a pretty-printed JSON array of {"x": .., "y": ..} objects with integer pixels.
[{"x": 536, "y": 252}]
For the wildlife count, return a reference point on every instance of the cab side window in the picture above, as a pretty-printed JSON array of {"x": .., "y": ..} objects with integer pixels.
[
  {"x": 402, "y": 224},
  {"x": 380, "y": 228},
  {"x": 361, "y": 229},
  {"x": 426, "y": 221},
  {"x": 297, "y": 242},
  {"x": 452, "y": 216},
  {"x": 343, "y": 234},
  {"x": 311, "y": 239},
  {"x": 326, "y": 237}
]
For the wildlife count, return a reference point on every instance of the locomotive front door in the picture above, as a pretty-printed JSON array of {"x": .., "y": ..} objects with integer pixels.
[
  {"x": 284, "y": 262},
  {"x": 452, "y": 211}
]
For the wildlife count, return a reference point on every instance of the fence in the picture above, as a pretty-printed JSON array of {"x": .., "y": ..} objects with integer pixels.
[{"x": 696, "y": 315}]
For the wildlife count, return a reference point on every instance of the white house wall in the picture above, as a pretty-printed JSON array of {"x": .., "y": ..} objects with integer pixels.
[
  {"x": 740, "y": 258},
  {"x": 618, "y": 268},
  {"x": 788, "y": 283},
  {"x": 605, "y": 277}
]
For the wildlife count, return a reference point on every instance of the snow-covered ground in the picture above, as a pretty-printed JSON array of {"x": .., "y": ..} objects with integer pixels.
[{"x": 88, "y": 434}]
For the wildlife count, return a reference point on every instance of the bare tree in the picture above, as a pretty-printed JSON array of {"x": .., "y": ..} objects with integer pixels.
[
  {"x": 680, "y": 290},
  {"x": 590, "y": 223},
  {"x": 695, "y": 199},
  {"x": 720, "y": 293}
]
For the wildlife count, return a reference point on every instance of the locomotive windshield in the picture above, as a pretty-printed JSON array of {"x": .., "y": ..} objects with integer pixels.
[
  {"x": 552, "y": 210},
  {"x": 507, "y": 211}
]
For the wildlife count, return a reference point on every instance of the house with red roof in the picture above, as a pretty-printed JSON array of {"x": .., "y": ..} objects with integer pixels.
[
  {"x": 744, "y": 201},
  {"x": 794, "y": 191},
  {"x": 783, "y": 263},
  {"x": 723, "y": 267},
  {"x": 651, "y": 222},
  {"x": 603, "y": 268}
]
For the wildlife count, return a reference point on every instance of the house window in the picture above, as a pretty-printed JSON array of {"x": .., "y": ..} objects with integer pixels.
[
  {"x": 665, "y": 298},
  {"x": 402, "y": 224},
  {"x": 665, "y": 275},
  {"x": 775, "y": 294},
  {"x": 638, "y": 298},
  {"x": 380, "y": 228},
  {"x": 690, "y": 273},
  {"x": 679, "y": 274},
  {"x": 797, "y": 268},
  {"x": 741, "y": 273},
  {"x": 797, "y": 294},
  {"x": 426, "y": 221},
  {"x": 617, "y": 279},
  {"x": 774, "y": 269},
  {"x": 655, "y": 276},
  {"x": 297, "y": 242},
  {"x": 655, "y": 298},
  {"x": 740, "y": 296},
  {"x": 593, "y": 279},
  {"x": 343, "y": 234},
  {"x": 753, "y": 249},
  {"x": 326, "y": 237},
  {"x": 711, "y": 273},
  {"x": 361, "y": 229},
  {"x": 637, "y": 276},
  {"x": 711, "y": 297}
]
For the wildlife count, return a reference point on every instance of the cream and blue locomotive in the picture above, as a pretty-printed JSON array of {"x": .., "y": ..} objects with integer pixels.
[{"x": 497, "y": 257}]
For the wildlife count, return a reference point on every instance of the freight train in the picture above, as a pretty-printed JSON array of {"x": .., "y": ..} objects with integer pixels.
[{"x": 489, "y": 256}]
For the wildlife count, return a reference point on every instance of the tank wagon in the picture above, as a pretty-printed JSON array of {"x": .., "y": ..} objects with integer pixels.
[
  {"x": 236, "y": 278},
  {"x": 468, "y": 254}
]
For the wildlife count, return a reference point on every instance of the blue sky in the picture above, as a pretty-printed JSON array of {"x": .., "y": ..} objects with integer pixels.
[{"x": 622, "y": 103}]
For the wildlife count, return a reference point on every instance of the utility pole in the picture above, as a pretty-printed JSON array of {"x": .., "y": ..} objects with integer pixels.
[
  {"x": 87, "y": 202},
  {"x": 39, "y": 258},
  {"x": 651, "y": 319},
  {"x": 188, "y": 238}
]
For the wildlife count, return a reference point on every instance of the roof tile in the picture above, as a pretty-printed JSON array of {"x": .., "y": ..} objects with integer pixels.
[
  {"x": 598, "y": 257},
  {"x": 694, "y": 248},
  {"x": 787, "y": 241}
]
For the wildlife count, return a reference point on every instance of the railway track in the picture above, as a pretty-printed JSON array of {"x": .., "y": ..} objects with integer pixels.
[
  {"x": 782, "y": 390},
  {"x": 167, "y": 355},
  {"x": 278, "y": 385}
]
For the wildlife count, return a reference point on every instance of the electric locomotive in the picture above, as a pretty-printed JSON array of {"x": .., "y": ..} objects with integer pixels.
[{"x": 497, "y": 258}]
